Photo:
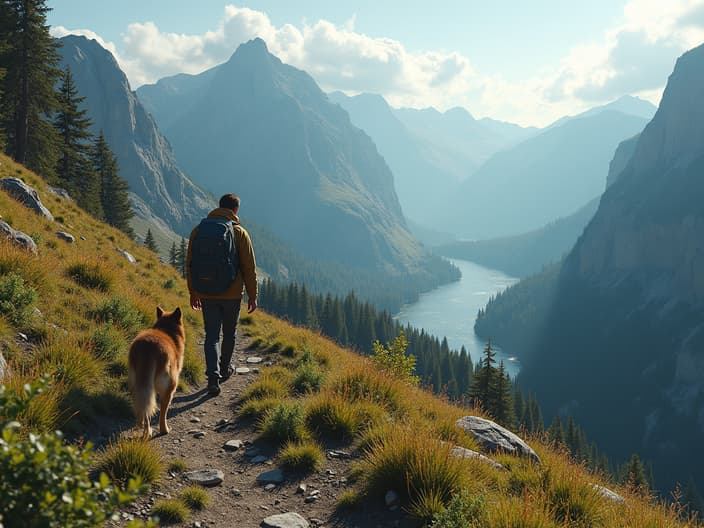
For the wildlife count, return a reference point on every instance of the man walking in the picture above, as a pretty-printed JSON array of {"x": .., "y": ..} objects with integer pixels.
[{"x": 219, "y": 267}]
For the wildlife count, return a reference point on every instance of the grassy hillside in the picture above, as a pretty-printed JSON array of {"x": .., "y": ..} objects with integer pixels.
[{"x": 92, "y": 301}]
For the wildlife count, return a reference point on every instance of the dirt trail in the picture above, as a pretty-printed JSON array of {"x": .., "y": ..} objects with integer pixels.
[{"x": 200, "y": 427}]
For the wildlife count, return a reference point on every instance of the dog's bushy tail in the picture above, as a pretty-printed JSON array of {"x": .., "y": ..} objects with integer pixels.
[{"x": 142, "y": 386}]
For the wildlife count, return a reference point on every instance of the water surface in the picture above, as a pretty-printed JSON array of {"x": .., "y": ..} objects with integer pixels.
[{"x": 450, "y": 310}]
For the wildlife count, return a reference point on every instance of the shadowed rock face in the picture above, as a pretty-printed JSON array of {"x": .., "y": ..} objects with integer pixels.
[
  {"x": 622, "y": 346},
  {"x": 144, "y": 156},
  {"x": 266, "y": 131}
]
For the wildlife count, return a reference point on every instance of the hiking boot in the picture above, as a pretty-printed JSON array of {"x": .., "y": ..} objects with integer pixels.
[
  {"x": 226, "y": 373},
  {"x": 213, "y": 387}
]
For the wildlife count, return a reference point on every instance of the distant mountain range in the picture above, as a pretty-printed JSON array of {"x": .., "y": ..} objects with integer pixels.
[
  {"x": 627, "y": 104},
  {"x": 618, "y": 337},
  {"x": 160, "y": 192},
  {"x": 429, "y": 152},
  {"x": 528, "y": 253},
  {"x": 548, "y": 176},
  {"x": 265, "y": 130}
]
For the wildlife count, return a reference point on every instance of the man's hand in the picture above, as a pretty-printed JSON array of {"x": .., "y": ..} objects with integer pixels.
[
  {"x": 195, "y": 302},
  {"x": 251, "y": 305}
]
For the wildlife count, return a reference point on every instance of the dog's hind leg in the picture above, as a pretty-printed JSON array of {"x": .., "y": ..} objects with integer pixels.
[{"x": 167, "y": 388}]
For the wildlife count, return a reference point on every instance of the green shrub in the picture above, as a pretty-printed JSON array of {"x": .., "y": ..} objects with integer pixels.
[
  {"x": 463, "y": 510},
  {"x": 17, "y": 300},
  {"x": 194, "y": 497},
  {"x": 308, "y": 377},
  {"x": 120, "y": 312},
  {"x": 44, "y": 481},
  {"x": 108, "y": 343},
  {"x": 131, "y": 458},
  {"x": 284, "y": 423},
  {"x": 170, "y": 511},
  {"x": 90, "y": 276},
  {"x": 301, "y": 457},
  {"x": 393, "y": 359}
]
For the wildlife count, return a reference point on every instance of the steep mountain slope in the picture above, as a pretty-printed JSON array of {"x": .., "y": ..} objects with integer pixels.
[
  {"x": 528, "y": 253},
  {"x": 548, "y": 176},
  {"x": 265, "y": 130},
  {"x": 422, "y": 181},
  {"x": 159, "y": 189},
  {"x": 623, "y": 327}
]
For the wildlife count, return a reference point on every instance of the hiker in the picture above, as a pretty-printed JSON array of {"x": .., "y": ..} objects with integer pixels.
[{"x": 219, "y": 267}]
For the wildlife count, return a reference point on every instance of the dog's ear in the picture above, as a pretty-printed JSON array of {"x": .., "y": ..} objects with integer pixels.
[
  {"x": 159, "y": 312},
  {"x": 177, "y": 314}
]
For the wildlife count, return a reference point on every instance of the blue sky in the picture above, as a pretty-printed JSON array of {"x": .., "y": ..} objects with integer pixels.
[{"x": 525, "y": 62}]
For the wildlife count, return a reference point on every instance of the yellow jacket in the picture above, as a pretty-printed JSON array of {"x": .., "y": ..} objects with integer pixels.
[{"x": 247, "y": 272}]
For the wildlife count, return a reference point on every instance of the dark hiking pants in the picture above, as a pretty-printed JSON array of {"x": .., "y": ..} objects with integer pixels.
[{"x": 219, "y": 314}]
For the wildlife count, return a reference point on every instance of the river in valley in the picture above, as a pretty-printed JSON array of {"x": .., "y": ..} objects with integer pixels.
[{"x": 450, "y": 310}]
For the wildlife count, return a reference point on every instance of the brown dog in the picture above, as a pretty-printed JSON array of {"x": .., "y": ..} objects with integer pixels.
[{"x": 155, "y": 361}]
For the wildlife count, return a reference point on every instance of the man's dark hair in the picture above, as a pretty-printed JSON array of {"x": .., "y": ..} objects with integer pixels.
[{"x": 230, "y": 201}]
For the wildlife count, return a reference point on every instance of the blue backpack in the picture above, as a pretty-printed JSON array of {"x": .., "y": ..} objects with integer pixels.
[{"x": 214, "y": 262}]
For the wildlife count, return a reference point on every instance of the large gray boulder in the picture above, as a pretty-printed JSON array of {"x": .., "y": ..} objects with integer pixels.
[
  {"x": 22, "y": 192},
  {"x": 20, "y": 238},
  {"x": 285, "y": 520},
  {"x": 493, "y": 437}
]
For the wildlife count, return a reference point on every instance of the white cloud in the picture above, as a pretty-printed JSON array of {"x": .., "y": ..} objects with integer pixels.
[{"x": 634, "y": 57}]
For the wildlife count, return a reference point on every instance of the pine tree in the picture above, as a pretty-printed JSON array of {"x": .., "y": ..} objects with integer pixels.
[
  {"x": 73, "y": 170},
  {"x": 173, "y": 256},
  {"x": 149, "y": 241},
  {"x": 634, "y": 474},
  {"x": 28, "y": 86},
  {"x": 692, "y": 500},
  {"x": 500, "y": 398},
  {"x": 114, "y": 190},
  {"x": 480, "y": 391},
  {"x": 182, "y": 257}
]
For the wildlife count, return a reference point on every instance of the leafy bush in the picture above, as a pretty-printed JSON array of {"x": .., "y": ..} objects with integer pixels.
[
  {"x": 301, "y": 457},
  {"x": 127, "y": 459},
  {"x": 284, "y": 423},
  {"x": 108, "y": 343},
  {"x": 44, "y": 481},
  {"x": 120, "y": 312},
  {"x": 194, "y": 497},
  {"x": 17, "y": 300},
  {"x": 308, "y": 377},
  {"x": 393, "y": 359},
  {"x": 90, "y": 276},
  {"x": 463, "y": 510}
]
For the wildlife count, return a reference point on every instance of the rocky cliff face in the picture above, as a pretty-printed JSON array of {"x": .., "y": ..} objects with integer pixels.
[
  {"x": 144, "y": 155},
  {"x": 266, "y": 131},
  {"x": 625, "y": 330}
]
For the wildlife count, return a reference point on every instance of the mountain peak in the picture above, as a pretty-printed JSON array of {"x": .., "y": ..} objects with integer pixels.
[{"x": 252, "y": 48}]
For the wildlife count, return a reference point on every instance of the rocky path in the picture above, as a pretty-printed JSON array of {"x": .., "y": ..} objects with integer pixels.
[{"x": 206, "y": 435}]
